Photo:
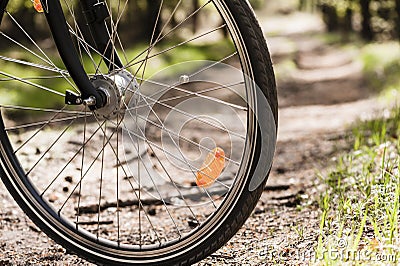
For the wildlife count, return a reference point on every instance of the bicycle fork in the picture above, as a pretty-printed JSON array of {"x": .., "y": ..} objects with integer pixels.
[{"x": 95, "y": 13}]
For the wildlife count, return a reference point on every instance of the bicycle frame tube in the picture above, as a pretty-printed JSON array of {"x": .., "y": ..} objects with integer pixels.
[{"x": 96, "y": 13}]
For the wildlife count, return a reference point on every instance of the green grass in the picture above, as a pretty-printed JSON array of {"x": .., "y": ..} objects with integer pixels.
[
  {"x": 382, "y": 65},
  {"x": 19, "y": 93},
  {"x": 360, "y": 206}
]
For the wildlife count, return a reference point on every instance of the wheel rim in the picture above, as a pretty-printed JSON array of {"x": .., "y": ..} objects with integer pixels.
[{"x": 34, "y": 162}]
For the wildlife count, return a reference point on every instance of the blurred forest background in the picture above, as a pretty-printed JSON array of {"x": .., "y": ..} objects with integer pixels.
[
  {"x": 333, "y": 60},
  {"x": 364, "y": 31},
  {"x": 372, "y": 19}
]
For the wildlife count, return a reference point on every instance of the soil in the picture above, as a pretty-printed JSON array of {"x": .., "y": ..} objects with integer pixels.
[{"x": 317, "y": 102}]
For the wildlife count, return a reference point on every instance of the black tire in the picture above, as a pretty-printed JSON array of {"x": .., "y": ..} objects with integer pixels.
[{"x": 236, "y": 207}]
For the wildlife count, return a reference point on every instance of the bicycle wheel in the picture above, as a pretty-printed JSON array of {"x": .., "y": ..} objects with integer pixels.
[{"x": 120, "y": 185}]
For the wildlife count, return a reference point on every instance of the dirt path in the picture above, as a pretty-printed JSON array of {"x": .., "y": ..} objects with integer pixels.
[{"x": 317, "y": 101}]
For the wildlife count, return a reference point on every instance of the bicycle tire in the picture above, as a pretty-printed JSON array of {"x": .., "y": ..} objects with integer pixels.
[{"x": 236, "y": 211}]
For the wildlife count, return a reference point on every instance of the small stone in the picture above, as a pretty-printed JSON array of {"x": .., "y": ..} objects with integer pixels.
[
  {"x": 281, "y": 170},
  {"x": 152, "y": 212},
  {"x": 53, "y": 197},
  {"x": 37, "y": 151},
  {"x": 65, "y": 189},
  {"x": 193, "y": 223},
  {"x": 68, "y": 179},
  {"x": 34, "y": 228},
  {"x": 259, "y": 210}
]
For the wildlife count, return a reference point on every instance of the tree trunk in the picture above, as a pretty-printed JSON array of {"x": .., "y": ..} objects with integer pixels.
[
  {"x": 302, "y": 5},
  {"x": 348, "y": 20},
  {"x": 195, "y": 18},
  {"x": 330, "y": 16},
  {"x": 153, "y": 24},
  {"x": 366, "y": 31},
  {"x": 347, "y": 24},
  {"x": 398, "y": 18}
]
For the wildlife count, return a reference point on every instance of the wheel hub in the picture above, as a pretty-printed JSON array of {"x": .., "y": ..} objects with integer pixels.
[{"x": 118, "y": 89}]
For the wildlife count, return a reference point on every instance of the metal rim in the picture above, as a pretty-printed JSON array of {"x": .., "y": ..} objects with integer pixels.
[{"x": 211, "y": 224}]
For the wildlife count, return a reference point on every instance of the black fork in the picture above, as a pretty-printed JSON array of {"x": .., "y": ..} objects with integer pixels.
[{"x": 95, "y": 13}]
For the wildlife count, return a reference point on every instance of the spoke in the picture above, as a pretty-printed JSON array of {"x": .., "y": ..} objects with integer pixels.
[
  {"x": 140, "y": 205},
  {"x": 194, "y": 117},
  {"x": 126, "y": 174},
  {"x": 110, "y": 42},
  {"x": 151, "y": 40},
  {"x": 78, "y": 30},
  {"x": 91, "y": 165},
  {"x": 152, "y": 180},
  {"x": 51, "y": 146},
  {"x": 88, "y": 47},
  {"x": 169, "y": 32},
  {"x": 34, "y": 78},
  {"x": 60, "y": 111},
  {"x": 192, "y": 169},
  {"x": 144, "y": 64},
  {"x": 26, "y": 63},
  {"x": 70, "y": 160},
  {"x": 177, "y": 45},
  {"x": 37, "y": 131},
  {"x": 101, "y": 182},
  {"x": 82, "y": 164},
  {"x": 162, "y": 165},
  {"x": 158, "y": 147},
  {"x": 156, "y": 188},
  {"x": 43, "y": 122},
  {"x": 171, "y": 16},
  {"x": 198, "y": 94},
  {"x": 167, "y": 87},
  {"x": 87, "y": 170},
  {"x": 114, "y": 33},
  {"x": 23, "y": 47},
  {"x": 228, "y": 86},
  {"x": 213, "y": 65},
  {"x": 150, "y": 143},
  {"x": 138, "y": 167},
  {"x": 40, "y": 49},
  {"x": 117, "y": 156},
  {"x": 30, "y": 39},
  {"x": 175, "y": 185},
  {"x": 32, "y": 84},
  {"x": 188, "y": 93},
  {"x": 169, "y": 131},
  {"x": 120, "y": 42}
]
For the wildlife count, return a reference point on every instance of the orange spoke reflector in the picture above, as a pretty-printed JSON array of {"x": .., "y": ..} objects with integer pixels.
[
  {"x": 211, "y": 168},
  {"x": 37, "y": 5}
]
